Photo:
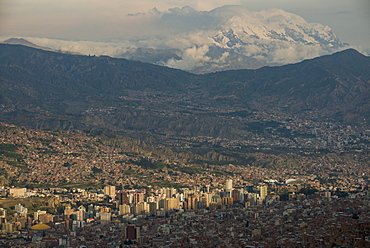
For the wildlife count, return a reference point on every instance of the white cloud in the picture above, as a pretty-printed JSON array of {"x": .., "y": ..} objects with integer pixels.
[
  {"x": 84, "y": 47},
  {"x": 182, "y": 29},
  {"x": 99, "y": 19},
  {"x": 190, "y": 58},
  {"x": 252, "y": 50},
  {"x": 285, "y": 53},
  {"x": 223, "y": 58}
]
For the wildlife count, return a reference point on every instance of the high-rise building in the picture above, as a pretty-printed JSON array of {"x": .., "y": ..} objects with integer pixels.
[
  {"x": 9, "y": 227},
  {"x": 46, "y": 218},
  {"x": 81, "y": 213},
  {"x": 252, "y": 198},
  {"x": 68, "y": 224},
  {"x": 168, "y": 191},
  {"x": 122, "y": 198},
  {"x": 152, "y": 207},
  {"x": 124, "y": 209},
  {"x": 20, "y": 209},
  {"x": 214, "y": 199},
  {"x": 206, "y": 198},
  {"x": 105, "y": 217},
  {"x": 38, "y": 213},
  {"x": 138, "y": 197},
  {"x": 110, "y": 190},
  {"x": 229, "y": 184},
  {"x": 162, "y": 204},
  {"x": 235, "y": 194},
  {"x": 263, "y": 192},
  {"x": 142, "y": 208},
  {"x": 132, "y": 232},
  {"x": 2, "y": 213},
  {"x": 105, "y": 209},
  {"x": 171, "y": 203},
  {"x": 203, "y": 201},
  {"x": 2, "y": 218},
  {"x": 193, "y": 202},
  {"x": 227, "y": 201}
]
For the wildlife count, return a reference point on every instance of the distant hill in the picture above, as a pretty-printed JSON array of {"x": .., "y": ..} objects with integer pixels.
[
  {"x": 20, "y": 41},
  {"x": 24, "y": 42},
  {"x": 336, "y": 86},
  {"x": 46, "y": 89}
]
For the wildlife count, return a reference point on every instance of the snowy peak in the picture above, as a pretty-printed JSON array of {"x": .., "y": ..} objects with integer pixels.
[
  {"x": 233, "y": 37},
  {"x": 274, "y": 24},
  {"x": 228, "y": 37}
]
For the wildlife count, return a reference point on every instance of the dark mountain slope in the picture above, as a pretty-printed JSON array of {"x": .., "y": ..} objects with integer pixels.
[
  {"x": 48, "y": 89},
  {"x": 339, "y": 82},
  {"x": 50, "y": 83},
  {"x": 103, "y": 74}
]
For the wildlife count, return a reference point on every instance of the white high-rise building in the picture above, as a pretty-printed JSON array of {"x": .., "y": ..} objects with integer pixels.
[
  {"x": 20, "y": 209},
  {"x": 105, "y": 217},
  {"x": 229, "y": 184},
  {"x": 81, "y": 213}
]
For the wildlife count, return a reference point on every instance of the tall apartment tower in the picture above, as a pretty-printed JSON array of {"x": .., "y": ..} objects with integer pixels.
[
  {"x": 110, "y": 190},
  {"x": 229, "y": 184},
  {"x": 105, "y": 217},
  {"x": 2, "y": 218},
  {"x": 171, "y": 203},
  {"x": 132, "y": 232},
  {"x": 263, "y": 192},
  {"x": 124, "y": 209},
  {"x": 122, "y": 198}
]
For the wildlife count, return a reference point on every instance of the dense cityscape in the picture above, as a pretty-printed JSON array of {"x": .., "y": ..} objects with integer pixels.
[
  {"x": 70, "y": 189},
  {"x": 251, "y": 216},
  {"x": 189, "y": 124}
]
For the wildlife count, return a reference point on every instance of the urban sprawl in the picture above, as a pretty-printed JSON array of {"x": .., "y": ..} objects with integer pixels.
[{"x": 218, "y": 206}]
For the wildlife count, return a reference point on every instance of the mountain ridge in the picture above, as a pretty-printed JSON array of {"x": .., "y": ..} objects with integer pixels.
[{"x": 48, "y": 89}]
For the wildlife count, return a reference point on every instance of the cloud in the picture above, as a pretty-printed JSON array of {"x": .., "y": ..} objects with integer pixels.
[
  {"x": 114, "y": 30},
  {"x": 112, "y": 49},
  {"x": 105, "y": 19},
  {"x": 291, "y": 53},
  {"x": 287, "y": 52},
  {"x": 190, "y": 58}
]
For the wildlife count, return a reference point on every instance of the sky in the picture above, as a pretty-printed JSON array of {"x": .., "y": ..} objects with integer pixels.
[{"x": 121, "y": 19}]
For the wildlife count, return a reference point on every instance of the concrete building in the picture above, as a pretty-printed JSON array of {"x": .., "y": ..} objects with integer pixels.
[
  {"x": 171, "y": 203},
  {"x": 105, "y": 217},
  {"x": 110, "y": 190},
  {"x": 132, "y": 232},
  {"x": 17, "y": 192},
  {"x": 263, "y": 192},
  {"x": 124, "y": 209},
  {"x": 229, "y": 184},
  {"x": 38, "y": 213}
]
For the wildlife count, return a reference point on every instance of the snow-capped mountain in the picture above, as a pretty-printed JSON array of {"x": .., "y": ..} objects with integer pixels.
[
  {"x": 229, "y": 37},
  {"x": 269, "y": 26},
  {"x": 233, "y": 37}
]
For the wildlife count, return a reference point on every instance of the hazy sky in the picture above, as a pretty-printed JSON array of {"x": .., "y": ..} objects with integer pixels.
[{"x": 105, "y": 19}]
